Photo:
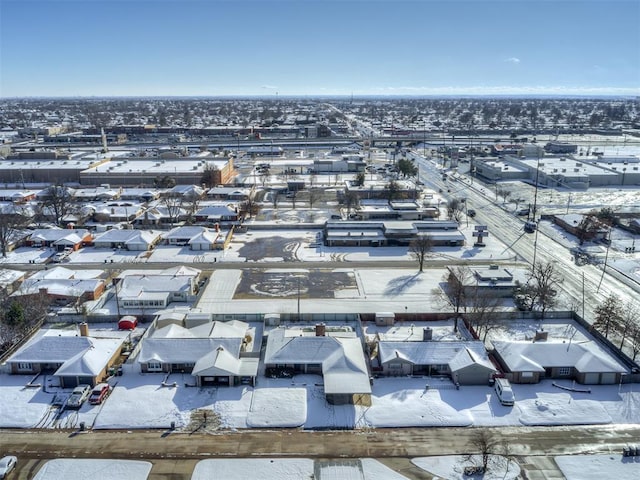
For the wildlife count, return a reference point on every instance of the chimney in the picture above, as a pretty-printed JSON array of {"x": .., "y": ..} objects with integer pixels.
[
  {"x": 427, "y": 334},
  {"x": 541, "y": 335},
  {"x": 320, "y": 329},
  {"x": 84, "y": 329}
]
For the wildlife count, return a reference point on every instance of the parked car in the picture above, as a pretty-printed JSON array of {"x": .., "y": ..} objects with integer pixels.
[
  {"x": 78, "y": 396},
  {"x": 99, "y": 393},
  {"x": 504, "y": 392},
  {"x": 530, "y": 227},
  {"x": 7, "y": 464}
]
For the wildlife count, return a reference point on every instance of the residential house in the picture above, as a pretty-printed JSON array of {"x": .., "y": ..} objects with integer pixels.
[
  {"x": 72, "y": 359},
  {"x": 465, "y": 362},
  {"x": 337, "y": 355},
  {"x": 531, "y": 361},
  {"x": 156, "y": 289},
  {"x": 133, "y": 240},
  {"x": 217, "y": 213},
  {"x": 214, "y": 353},
  {"x": 65, "y": 286},
  {"x": 59, "y": 239}
]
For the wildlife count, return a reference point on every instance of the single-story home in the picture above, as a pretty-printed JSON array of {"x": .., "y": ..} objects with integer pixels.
[
  {"x": 585, "y": 362},
  {"x": 156, "y": 289},
  {"x": 466, "y": 362},
  {"x": 134, "y": 240},
  {"x": 336, "y": 355},
  {"x": 73, "y": 359},
  {"x": 215, "y": 353},
  {"x": 64, "y": 285},
  {"x": 59, "y": 238}
]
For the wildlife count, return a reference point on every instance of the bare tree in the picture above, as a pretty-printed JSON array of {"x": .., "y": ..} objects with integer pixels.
[
  {"x": 420, "y": 247},
  {"x": 11, "y": 222},
  {"x": 173, "y": 203},
  {"x": 454, "y": 209},
  {"x": 634, "y": 340},
  {"x": 542, "y": 286},
  {"x": 485, "y": 446},
  {"x": 392, "y": 190},
  {"x": 210, "y": 175},
  {"x": 608, "y": 314},
  {"x": 58, "y": 203},
  {"x": 191, "y": 204},
  {"x": 630, "y": 313},
  {"x": 314, "y": 195},
  {"x": 482, "y": 311},
  {"x": 351, "y": 200},
  {"x": 504, "y": 193},
  {"x": 457, "y": 280}
]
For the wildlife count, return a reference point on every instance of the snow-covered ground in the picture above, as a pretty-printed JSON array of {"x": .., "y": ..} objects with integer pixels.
[
  {"x": 398, "y": 401},
  {"x": 597, "y": 467},
  {"x": 451, "y": 467},
  {"x": 104, "y": 469},
  {"x": 293, "y": 469}
]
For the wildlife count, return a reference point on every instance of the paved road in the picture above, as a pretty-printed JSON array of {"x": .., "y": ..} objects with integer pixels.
[
  {"x": 174, "y": 454},
  {"x": 579, "y": 281}
]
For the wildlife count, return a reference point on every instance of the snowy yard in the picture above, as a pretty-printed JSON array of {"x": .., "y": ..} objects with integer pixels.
[
  {"x": 140, "y": 401},
  {"x": 78, "y": 469}
]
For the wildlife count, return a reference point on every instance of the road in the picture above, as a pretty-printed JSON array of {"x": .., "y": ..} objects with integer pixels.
[
  {"x": 177, "y": 452},
  {"x": 579, "y": 281}
]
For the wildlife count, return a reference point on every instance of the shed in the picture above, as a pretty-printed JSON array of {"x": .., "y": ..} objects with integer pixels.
[{"x": 128, "y": 322}]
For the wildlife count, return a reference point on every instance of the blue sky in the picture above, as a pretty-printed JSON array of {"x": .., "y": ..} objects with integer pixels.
[{"x": 314, "y": 47}]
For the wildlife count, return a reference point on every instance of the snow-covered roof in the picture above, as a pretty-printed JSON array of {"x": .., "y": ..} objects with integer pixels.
[
  {"x": 536, "y": 356},
  {"x": 343, "y": 364},
  {"x": 183, "y": 232},
  {"x": 206, "y": 237},
  {"x": 457, "y": 355},
  {"x": 220, "y": 362},
  {"x": 345, "y": 372},
  {"x": 54, "y": 235},
  {"x": 128, "y": 237},
  {"x": 184, "y": 350},
  {"x": 79, "y": 356}
]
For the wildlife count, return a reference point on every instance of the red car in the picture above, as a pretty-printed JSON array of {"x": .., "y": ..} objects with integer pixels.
[{"x": 99, "y": 393}]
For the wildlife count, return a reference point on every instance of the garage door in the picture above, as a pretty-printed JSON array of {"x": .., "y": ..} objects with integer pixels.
[
  {"x": 608, "y": 378},
  {"x": 591, "y": 378}
]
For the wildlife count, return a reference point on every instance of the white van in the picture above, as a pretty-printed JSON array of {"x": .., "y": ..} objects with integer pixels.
[{"x": 504, "y": 392}]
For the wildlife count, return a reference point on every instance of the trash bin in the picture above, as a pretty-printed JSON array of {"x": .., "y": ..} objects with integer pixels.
[
  {"x": 173, "y": 425},
  {"x": 82, "y": 426}
]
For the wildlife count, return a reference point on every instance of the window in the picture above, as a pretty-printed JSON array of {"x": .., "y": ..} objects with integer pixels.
[
  {"x": 154, "y": 366},
  {"x": 564, "y": 371},
  {"x": 24, "y": 366}
]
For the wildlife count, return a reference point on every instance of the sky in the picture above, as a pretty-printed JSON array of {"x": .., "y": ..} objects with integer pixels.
[{"x": 315, "y": 47}]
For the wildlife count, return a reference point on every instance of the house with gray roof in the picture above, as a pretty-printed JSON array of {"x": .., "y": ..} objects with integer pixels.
[
  {"x": 585, "y": 362},
  {"x": 336, "y": 355},
  {"x": 59, "y": 238},
  {"x": 465, "y": 362},
  {"x": 214, "y": 353},
  {"x": 73, "y": 359},
  {"x": 133, "y": 240}
]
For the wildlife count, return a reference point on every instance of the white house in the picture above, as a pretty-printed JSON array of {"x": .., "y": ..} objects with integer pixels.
[{"x": 336, "y": 355}]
